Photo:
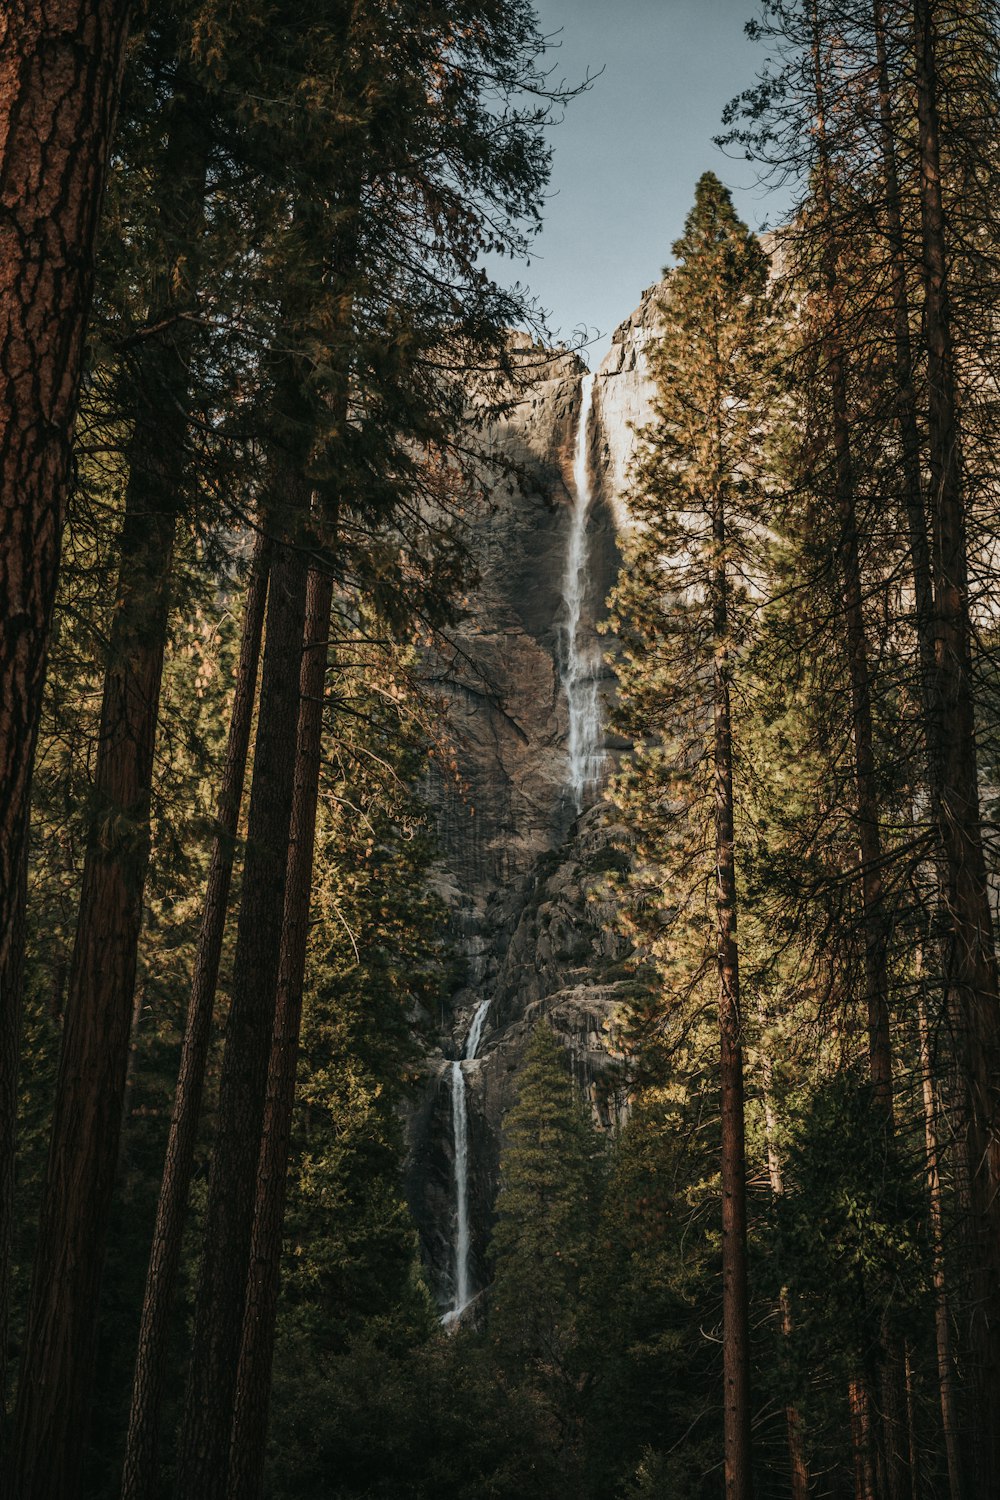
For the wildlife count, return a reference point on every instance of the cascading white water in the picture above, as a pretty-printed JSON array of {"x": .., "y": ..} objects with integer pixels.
[
  {"x": 462, "y": 1293},
  {"x": 580, "y": 656}
]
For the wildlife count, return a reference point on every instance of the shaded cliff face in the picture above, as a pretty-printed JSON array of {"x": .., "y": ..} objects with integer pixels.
[{"x": 520, "y": 872}]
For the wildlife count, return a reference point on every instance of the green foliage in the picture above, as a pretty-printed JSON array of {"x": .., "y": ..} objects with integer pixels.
[
  {"x": 543, "y": 1242},
  {"x": 853, "y": 1227},
  {"x": 546, "y": 1211},
  {"x": 705, "y": 463},
  {"x": 435, "y": 1422},
  {"x": 650, "y": 1292}
]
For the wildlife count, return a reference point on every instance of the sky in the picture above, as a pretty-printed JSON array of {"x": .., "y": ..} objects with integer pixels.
[{"x": 628, "y": 153}]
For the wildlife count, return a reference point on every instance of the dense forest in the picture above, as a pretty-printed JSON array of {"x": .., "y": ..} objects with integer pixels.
[{"x": 251, "y": 362}]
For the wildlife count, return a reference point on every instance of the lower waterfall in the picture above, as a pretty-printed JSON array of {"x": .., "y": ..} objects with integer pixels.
[
  {"x": 462, "y": 1285},
  {"x": 581, "y": 658}
]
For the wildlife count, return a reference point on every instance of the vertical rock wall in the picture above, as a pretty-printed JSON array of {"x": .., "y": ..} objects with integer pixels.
[{"x": 518, "y": 870}]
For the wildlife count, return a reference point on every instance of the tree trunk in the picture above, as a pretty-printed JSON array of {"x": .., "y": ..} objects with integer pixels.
[
  {"x": 57, "y": 1367},
  {"x": 906, "y": 404},
  {"x": 204, "y": 1446},
  {"x": 861, "y": 1441},
  {"x": 942, "y": 1315},
  {"x": 139, "y": 1472},
  {"x": 253, "y": 1385},
  {"x": 735, "y": 1295},
  {"x": 970, "y": 957},
  {"x": 60, "y": 74},
  {"x": 798, "y": 1468},
  {"x": 890, "y": 1376},
  {"x": 10, "y": 1036}
]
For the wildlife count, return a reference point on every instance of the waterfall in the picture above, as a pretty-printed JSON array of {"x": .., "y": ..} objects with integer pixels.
[
  {"x": 581, "y": 657},
  {"x": 462, "y": 1294}
]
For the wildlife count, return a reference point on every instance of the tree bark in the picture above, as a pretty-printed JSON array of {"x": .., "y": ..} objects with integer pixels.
[
  {"x": 10, "y": 986},
  {"x": 798, "y": 1467},
  {"x": 970, "y": 956},
  {"x": 735, "y": 1294},
  {"x": 942, "y": 1313},
  {"x": 60, "y": 76},
  {"x": 253, "y": 1384},
  {"x": 890, "y": 1375},
  {"x": 906, "y": 403},
  {"x": 204, "y": 1446},
  {"x": 57, "y": 1368},
  {"x": 861, "y": 1440},
  {"x": 139, "y": 1472}
]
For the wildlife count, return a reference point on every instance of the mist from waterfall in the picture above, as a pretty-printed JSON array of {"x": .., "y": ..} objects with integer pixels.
[
  {"x": 581, "y": 658},
  {"x": 462, "y": 1286}
]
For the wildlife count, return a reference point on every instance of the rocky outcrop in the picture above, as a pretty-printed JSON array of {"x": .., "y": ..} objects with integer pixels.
[{"x": 521, "y": 873}]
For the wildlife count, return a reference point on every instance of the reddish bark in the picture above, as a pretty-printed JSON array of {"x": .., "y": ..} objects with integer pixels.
[
  {"x": 139, "y": 1472},
  {"x": 970, "y": 956},
  {"x": 735, "y": 1294},
  {"x": 253, "y": 1384},
  {"x": 60, "y": 75},
  {"x": 57, "y": 1367},
  {"x": 203, "y": 1457}
]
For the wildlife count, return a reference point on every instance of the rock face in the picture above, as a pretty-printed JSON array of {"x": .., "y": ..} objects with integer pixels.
[{"x": 520, "y": 871}]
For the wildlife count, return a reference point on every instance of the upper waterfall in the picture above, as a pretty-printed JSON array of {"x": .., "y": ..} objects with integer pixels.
[{"x": 581, "y": 658}]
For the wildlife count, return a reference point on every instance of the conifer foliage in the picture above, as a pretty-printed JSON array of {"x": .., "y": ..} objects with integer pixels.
[{"x": 682, "y": 611}]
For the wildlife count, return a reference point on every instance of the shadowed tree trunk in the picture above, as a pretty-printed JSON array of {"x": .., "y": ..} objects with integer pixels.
[
  {"x": 57, "y": 1367},
  {"x": 798, "y": 1468},
  {"x": 735, "y": 1296},
  {"x": 890, "y": 1375},
  {"x": 253, "y": 1387},
  {"x": 60, "y": 74},
  {"x": 10, "y": 987},
  {"x": 139, "y": 1473},
  {"x": 204, "y": 1445},
  {"x": 859, "y": 1406},
  {"x": 970, "y": 958},
  {"x": 942, "y": 1315}
]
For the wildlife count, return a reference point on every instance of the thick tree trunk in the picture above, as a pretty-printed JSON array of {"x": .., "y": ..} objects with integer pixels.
[
  {"x": 861, "y": 1440},
  {"x": 204, "y": 1449},
  {"x": 253, "y": 1385},
  {"x": 735, "y": 1294},
  {"x": 970, "y": 956},
  {"x": 60, "y": 74},
  {"x": 57, "y": 1368},
  {"x": 139, "y": 1472}
]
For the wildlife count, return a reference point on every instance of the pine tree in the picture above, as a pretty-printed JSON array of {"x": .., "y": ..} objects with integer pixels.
[
  {"x": 546, "y": 1216},
  {"x": 681, "y": 608}
]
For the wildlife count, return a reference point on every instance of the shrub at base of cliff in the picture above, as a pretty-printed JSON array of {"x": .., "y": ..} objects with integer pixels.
[
  {"x": 543, "y": 1241},
  {"x": 648, "y": 1302},
  {"x": 436, "y": 1422}
]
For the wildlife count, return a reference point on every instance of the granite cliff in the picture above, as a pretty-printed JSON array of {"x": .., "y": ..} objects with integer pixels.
[{"x": 521, "y": 862}]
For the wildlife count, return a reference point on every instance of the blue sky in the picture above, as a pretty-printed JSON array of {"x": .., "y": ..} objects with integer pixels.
[{"x": 628, "y": 153}]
